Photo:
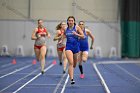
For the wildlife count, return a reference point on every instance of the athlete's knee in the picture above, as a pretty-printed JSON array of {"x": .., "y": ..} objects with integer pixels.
[
  {"x": 42, "y": 57},
  {"x": 37, "y": 58},
  {"x": 74, "y": 66},
  {"x": 64, "y": 57},
  {"x": 84, "y": 59},
  {"x": 80, "y": 63},
  {"x": 70, "y": 64}
]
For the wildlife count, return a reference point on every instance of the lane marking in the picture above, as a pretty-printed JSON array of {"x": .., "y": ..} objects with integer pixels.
[
  {"x": 59, "y": 84},
  {"x": 95, "y": 85},
  {"x": 32, "y": 79},
  {"x": 126, "y": 71},
  {"x": 12, "y": 67},
  {"x": 64, "y": 86},
  {"x": 102, "y": 79},
  {"x": 19, "y": 80},
  {"x": 15, "y": 71},
  {"x": 118, "y": 62},
  {"x": 28, "y": 74},
  {"x": 9, "y": 64},
  {"x": 6, "y": 65}
]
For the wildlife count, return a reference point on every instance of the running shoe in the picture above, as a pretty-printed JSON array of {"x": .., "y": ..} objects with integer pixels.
[
  {"x": 82, "y": 76},
  {"x": 42, "y": 72},
  {"x": 64, "y": 71},
  {"x": 72, "y": 82},
  {"x": 60, "y": 63}
]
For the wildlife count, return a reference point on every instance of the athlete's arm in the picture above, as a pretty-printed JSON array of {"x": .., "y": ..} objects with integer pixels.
[
  {"x": 34, "y": 37},
  {"x": 80, "y": 32},
  {"x": 47, "y": 33},
  {"x": 63, "y": 36},
  {"x": 91, "y": 36},
  {"x": 57, "y": 36}
]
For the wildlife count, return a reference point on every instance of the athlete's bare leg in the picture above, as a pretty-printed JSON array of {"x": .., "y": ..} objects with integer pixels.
[
  {"x": 69, "y": 56},
  {"x": 84, "y": 56},
  {"x": 37, "y": 53},
  {"x": 42, "y": 57},
  {"x": 64, "y": 61},
  {"x": 76, "y": 59},
  {"x": 60, "y": 56}
]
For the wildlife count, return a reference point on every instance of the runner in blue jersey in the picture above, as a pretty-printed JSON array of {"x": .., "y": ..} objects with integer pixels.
[
  {"x": 84, "y": 47},
  {"x": 72, "y": 33}
]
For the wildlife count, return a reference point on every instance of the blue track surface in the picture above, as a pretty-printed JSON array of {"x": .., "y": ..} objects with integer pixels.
[{"x": 25, "y": 77}]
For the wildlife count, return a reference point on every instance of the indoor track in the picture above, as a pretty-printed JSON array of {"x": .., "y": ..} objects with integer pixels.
[{"x": 101, "y": 76}]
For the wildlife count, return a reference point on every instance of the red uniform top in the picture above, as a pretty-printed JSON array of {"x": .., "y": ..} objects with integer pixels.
[
  {"x": 61, "y": 43},
  {"x": 41, "y": 32}
]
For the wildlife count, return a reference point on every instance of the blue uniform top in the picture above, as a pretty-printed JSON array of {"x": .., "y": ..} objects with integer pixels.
[
  {"x": 84, "y": 42},
  {"x": 72, "y": 40}
]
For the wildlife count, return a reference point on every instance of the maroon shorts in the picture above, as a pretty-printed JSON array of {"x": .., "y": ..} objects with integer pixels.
[
  {"x": 61, "y": 49},
  {"x": 37, "y": 47}
]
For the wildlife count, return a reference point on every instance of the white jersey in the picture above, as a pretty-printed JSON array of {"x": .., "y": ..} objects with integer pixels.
[
  {"x": 42, "y": 40},
  {"x": 61, "y": 42}
]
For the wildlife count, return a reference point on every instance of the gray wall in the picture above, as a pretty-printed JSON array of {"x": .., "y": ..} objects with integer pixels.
[
  {"x": 18, "y": 19},
  {"x": 14, "y": 33},
  {"x": 48, "y": 10}
]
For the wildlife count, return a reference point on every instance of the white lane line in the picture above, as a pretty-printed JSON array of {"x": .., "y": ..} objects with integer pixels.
[
  {"x": 19, "y": 80},
  {"x": 128, "y": 73},
  {"x": 9, "y": 64},
  {"x": 102, "y": 79},
  {"x": 118, "y": 62},
  {"x": 12, "y": 67},
  {"x": 64, "y": 86},
  {"x": 59, "y": 84},
  {"x": 15, "y": 71},
  {"x": 6, "y": 65},
  {"x": 32, "y": 79}
]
